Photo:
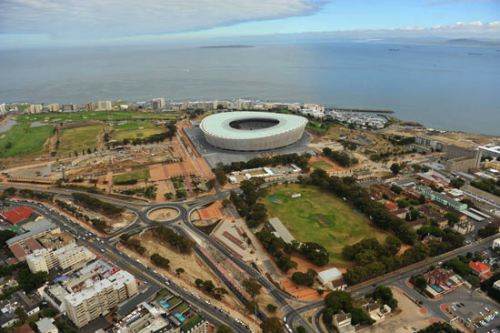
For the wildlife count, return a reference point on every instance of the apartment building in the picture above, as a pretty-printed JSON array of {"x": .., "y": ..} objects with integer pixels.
[
  {"x": 69, "y": 256},
  {"x": 104, "y": 106},
  {"x": 99, "y": 297}
]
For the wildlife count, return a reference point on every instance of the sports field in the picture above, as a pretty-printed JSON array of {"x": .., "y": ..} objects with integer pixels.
[
  {"x": 57, "y": 117},
  {"x": 24, "y": 140},
  {"x": 134, "y": 129},
  {"x": 141, "y": 174},
  {"x": 319, "y": 217},
  {"x": 321, "y": 165},
  {"x": 79, "y": 138}
]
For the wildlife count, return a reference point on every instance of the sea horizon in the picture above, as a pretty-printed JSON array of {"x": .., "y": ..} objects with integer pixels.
[{"x": 449, "y": 87}]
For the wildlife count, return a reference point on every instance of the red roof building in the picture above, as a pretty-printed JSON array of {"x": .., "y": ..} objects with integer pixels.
[
  {"x": 482, "y": 270},
  {"x": 391, "y": 206},
  {"x": 17, "y": 214}
]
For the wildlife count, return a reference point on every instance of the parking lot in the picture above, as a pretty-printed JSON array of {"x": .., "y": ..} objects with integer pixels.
[{"x": 473, "y": 309}]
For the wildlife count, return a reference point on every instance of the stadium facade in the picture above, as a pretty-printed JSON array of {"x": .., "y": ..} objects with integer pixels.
[{"x": 252, "y": 131}]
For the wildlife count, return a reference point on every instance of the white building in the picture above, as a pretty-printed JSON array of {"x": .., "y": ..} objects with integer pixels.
[
  {"x": 342, "y": 322},
  {"x": 99, "y": 297},
  {"x": 3, "y": 109},
  {"x": 496, "y": 244},
  {"x": 331, "y": 278},
  {"x": 54, "y": 107},
  {"x": 46, "y": 325},
  {"x": 158, "y": 103},
  {"x": 69, "y": 256},
  {"x": 35, "y": 108},
  {"x": 104, "y": 106}
]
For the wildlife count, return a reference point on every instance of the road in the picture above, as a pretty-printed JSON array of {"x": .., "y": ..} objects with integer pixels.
[
  {"x": 153, "y": 281},
  {"x": 395, "y": 277},
  {"x": 293, "y": 316}
]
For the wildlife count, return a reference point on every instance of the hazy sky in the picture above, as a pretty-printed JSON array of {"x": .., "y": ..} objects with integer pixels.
[{"x": 60, "y": 22}]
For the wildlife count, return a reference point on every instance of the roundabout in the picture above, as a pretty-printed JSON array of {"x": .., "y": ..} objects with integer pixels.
[{"x": 163, "y": 214}]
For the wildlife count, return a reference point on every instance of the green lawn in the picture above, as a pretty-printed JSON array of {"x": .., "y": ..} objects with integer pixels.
[
  {"x": 55, "y": 117},
  {"x": 140, "y": 174},
  {"x": 319, "y": 217},
  {"x": 23, "y": 140},
  {"x": 321, "y": 165},
  {"x": 135, "y": 129},
  {"x": 79, "y": 138}
]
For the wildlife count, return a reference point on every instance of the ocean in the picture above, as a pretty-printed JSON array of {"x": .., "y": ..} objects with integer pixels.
[{"x": 441, "y": 86}]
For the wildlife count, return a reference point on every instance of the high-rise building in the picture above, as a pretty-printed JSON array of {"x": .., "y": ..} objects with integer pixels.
[
  {"x": 54, "y": 107},
  {"x": 69, "y": 256},
  {"x": 104, "y": 106},
  {"x": 3, "y": 109},
  {"x": 158, "y": 103},
  {"x": 35, "y": 108},
  {"x": 99, "y": 297}
]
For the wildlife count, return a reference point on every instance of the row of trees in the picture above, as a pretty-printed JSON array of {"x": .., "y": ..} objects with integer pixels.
[
  {"x": 373, "y": 258},
  {"x": 254, "y": 212},
  {"x": 160, "y": 261},
  {"x": 348, "y": 189},
  {"x": 97, "y": 205},
  {"x": 96, "y": 222},
  {"x": 488, "y": 185},
  {"x": 341, "y": 157},
  {"x": 208, "y": 287},
  {"x": 180, "y": 243},
  {"x": 301, "y": 161}
]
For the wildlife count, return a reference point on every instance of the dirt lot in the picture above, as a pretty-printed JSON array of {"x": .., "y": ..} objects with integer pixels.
[
  {"x": 194, "y": 268},
  {"x": 410, "y": 319},
  {"x": 163, "y": 214}
]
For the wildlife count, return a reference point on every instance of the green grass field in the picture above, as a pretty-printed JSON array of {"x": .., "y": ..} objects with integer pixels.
[
  {"x": 319, "y": 217},
  {"x": 321, "y": 165},
  {"x": 140, "y": 174},
  {"x": 79, "y": 138},
  {"x": 56, "y": 117},
  {"x": 135, "y": 129},
  {"x": 22, "y": 140}
]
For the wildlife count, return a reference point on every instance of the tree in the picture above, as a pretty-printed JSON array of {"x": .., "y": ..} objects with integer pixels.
[
  {"x": 487, "y": 231},
  {"x": 224, "y": 329},
  {"x": 339, "y": 300},
  {"x": 457, "y": 182},
  {"x": 5, "y": 235},
  {"x": 392, "y": 244},
  {"x": 179, "y": 271},
  {"x": 300, "y": 329},
  {"x": 384, "y": 294},
  {"x": 160, "y": 261},
  {"x": 30, "y": 281},
  {"x": 395, "y": 168},
  {"x": 252, "y": 307},
  {"x": 419, "y": 282},
  {"x": 359, "y": 316},
  {"x": 452, "y": 218},
  {"x": 252, "y": 286},
  {"x": 304, "y": 279},
  {"x": 271, "y": 325},
  {"x": 220, "y": 175},
  {"x": 271, "y": 308},
  {"x": 439, "y": 327}
]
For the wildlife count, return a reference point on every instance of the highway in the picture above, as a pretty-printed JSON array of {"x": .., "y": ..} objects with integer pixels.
[
  {"x": 293, "y": 317},
  {"x": 152, "y": 280}
]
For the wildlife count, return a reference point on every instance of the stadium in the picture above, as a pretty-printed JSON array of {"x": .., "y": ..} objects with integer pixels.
[{"x": 252, "y": 131}]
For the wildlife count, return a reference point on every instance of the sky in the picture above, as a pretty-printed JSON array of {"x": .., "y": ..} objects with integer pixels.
[{"x": 25, "y": 23}]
